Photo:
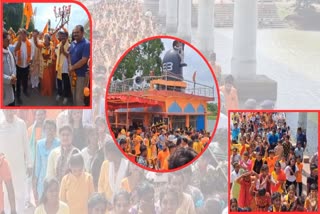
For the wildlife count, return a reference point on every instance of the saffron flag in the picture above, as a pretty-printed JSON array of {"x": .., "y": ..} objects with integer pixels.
[
  {"x": 27, "y": 11},
  {"x": 45, "y": 29}
]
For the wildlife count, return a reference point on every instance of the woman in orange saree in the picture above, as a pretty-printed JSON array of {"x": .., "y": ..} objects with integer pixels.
[{"x": 48, "y": 66}]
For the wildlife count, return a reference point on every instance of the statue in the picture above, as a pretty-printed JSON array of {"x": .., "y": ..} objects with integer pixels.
[{"x": 173, "y": 62}]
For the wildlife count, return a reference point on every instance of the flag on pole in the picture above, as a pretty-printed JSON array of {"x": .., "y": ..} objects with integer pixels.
[
  {"x": 28, "y": 12},
  {"x": 35, "y": 11},
  {"x": 194, "y": 76},
  {"x": 45, "y": 29}
]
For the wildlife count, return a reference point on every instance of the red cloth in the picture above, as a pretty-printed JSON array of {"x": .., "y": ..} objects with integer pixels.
[{"x": 245, "y": 196}]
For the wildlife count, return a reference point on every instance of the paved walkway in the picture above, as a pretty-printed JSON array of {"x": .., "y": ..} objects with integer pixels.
[{"x": 36, "y": 99}]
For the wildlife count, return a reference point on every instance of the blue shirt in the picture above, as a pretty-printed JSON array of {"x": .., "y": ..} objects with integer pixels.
[
  {"x": 42, "y": 161},
  {"x": 273, "y": 139},
  {"x": 78, "y": 50},
  {"x": 302, "y": 138},
  {"x": 235, "y": 133}
]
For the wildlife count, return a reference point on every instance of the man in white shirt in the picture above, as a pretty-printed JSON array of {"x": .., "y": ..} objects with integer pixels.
[
  {"x": 14, "y": 143},
  {"x": 63, "y": 80},
  {"x": 23, "y": 53},
  {"x": 235, "y": 173},
  {"x": 9, "y": 72}
]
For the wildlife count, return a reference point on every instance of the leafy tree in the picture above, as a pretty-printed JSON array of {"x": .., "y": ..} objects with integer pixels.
[
  {"x": 213, "y": 107},
  {"x": 87, "y": 30},
  {"x": 13, "y": 17},
  {"x": 145, "y": 57}
]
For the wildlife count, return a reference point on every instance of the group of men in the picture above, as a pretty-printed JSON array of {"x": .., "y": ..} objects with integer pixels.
[{"x": 48, "y": 60}]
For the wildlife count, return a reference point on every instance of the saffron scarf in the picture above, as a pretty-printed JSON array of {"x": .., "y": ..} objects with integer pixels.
[
  {"x": 18, "y": 53},
  {"x": 61, "y": 59}
]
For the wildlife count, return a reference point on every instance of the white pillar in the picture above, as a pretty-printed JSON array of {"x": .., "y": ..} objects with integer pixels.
[
  {"x": 206, "y": 26},
  {"x": 162, "y": 8},
  {"x": 303, "y": 120},
  {"x": 184, "y": 27},
  {"x": 172, "y": 16},
  {"x": 243, "y": 62}
]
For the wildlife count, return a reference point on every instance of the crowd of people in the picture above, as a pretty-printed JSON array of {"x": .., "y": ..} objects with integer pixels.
[
  {"x": 50, "y": 62},
  {"x": 117, "y": 26},
  {"x": 62, "y": 161},
  {"x": 160, "y": 148},
  {"x": 267, "y": 165}
]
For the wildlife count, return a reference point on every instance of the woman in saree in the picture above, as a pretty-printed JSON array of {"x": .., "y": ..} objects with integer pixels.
[{"x": 47, "y": 64}]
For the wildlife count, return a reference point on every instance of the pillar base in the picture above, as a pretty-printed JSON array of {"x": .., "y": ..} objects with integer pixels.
[{"x": 260, "y": 88}]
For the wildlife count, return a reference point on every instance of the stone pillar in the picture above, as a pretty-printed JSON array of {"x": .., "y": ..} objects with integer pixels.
[
  {"x": 171, "y": 16},
  {"x": 243, "y": 62},
  {"x": 162, "y": 8},
  {"x": 303, "y": 120},
  {"x": 206, "y": 26},
  {"x": 184, "y": 27}
]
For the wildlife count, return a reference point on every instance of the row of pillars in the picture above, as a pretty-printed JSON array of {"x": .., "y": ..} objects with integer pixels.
[{"x": 177, "y": 14}]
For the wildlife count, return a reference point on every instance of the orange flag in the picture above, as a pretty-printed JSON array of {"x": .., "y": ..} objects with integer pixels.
[
  {"x": 27, "y": 11},
  {"x": 45, "y": 29}
]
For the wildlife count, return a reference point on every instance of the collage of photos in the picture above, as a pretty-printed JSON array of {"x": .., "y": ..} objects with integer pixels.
[
  {"x": 273, "y": 162},
  {"x": 160, "y": 108},
  {"x": 46, "y": 55}
]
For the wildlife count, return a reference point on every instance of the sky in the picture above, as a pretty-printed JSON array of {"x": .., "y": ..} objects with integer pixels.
[{"x": 45, "y": 12}]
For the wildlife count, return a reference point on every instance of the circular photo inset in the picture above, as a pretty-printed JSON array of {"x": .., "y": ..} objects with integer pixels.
[{"x": 162, "y": 104}]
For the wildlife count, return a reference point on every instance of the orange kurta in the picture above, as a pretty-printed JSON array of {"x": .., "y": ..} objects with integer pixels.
[
  {"x": 162, "y": 156},
  {"x": 166, "y": 164},
  {"x": 299, "y": 173},
  {"x": 271, "y": 163}
]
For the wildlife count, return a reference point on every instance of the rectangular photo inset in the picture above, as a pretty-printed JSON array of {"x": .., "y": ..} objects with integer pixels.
[
  {"x": 273, "y": 161},
  {"x": 46, "y": 55}
]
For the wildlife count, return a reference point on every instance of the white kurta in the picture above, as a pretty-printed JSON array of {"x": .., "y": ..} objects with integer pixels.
[{"x": 13, "y": 143}]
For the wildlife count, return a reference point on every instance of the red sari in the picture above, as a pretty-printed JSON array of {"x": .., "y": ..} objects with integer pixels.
[{"x": 245, "y": 196}]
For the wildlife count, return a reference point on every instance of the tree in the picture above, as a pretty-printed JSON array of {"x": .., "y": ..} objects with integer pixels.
[
  {"x": 213, "y": 107},
  {"x": 13, "y": 17},
  {"x": 145, "y": 57},
  {"x": 87, "y": 30}
]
